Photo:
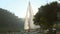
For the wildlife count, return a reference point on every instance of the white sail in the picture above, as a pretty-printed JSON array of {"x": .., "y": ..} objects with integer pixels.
[
  {"x": 29, "y": 18},
  {"x": 26, "y": 21}
]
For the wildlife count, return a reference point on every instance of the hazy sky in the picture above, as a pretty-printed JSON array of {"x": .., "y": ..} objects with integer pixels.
[{"x": 19, "y": 7}]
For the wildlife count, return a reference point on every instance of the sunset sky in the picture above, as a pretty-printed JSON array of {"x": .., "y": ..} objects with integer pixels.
[{"x": 19, "y": 7}]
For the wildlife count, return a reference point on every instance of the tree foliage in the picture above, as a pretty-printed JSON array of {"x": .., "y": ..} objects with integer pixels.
[
  {"x": 10, "y": 22},
  {"x": 47, "y": 15}
]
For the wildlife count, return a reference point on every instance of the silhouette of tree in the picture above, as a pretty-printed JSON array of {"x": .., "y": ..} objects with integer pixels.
[
  {"x": 10, "y": 22},
  {"x": 47, "y": 16}
]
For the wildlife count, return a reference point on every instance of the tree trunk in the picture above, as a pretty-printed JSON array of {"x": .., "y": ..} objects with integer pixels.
[{"x": 51, "y": 31}]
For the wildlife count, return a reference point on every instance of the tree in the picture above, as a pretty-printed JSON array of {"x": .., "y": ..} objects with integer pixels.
[
  {"x": 47, "y": 16},
  {"x": 10, "y": 22}
]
